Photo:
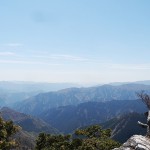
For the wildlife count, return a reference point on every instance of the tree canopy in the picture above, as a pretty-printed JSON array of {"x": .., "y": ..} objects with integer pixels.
[
  {"x": 7, "y": 129},
  {"x": 90, "y": 138}
]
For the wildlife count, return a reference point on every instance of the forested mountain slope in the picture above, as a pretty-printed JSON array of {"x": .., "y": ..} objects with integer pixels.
[
  {"x": 30, "y": 127},
  {"x": 68, "y": 118},
  {"x": 28, "y": 123},
  {"x": 125, "y": 126},
  {"x": 73, "y": 96}
]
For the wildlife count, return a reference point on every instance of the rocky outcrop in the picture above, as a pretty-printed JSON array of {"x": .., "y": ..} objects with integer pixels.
[{"x": 136, "y": 142}]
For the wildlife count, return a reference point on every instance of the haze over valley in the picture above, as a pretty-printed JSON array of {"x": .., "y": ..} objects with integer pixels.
[
  {"x": 45, "y": 109},
  {"x": 74, "y": 74}
]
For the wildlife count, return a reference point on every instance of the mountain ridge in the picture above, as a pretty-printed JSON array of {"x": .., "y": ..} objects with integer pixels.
[
  {"x": 75, "y": 96},
  {"x": 68, "y": 118},
  {"x": 27, "y": 122}
]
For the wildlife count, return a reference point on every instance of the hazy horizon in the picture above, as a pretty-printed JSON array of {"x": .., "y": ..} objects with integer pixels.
[
  {"x": 90, "y": 42},
  {"x": 78, "y": 84}
]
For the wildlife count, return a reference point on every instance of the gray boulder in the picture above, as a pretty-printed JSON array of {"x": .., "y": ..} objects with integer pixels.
[{"x": 136, "y": 142}]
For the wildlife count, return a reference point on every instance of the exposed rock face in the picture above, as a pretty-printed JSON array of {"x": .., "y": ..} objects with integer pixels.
[{"x": 136, "y": 142}]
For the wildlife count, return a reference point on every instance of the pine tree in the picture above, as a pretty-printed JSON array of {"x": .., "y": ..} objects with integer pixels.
[
  {"x": 7, "y": 129},
  {"x": 90, "y": 138}
]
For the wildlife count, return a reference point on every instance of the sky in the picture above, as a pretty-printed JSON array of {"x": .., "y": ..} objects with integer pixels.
[{"x": 78, "y": 41}]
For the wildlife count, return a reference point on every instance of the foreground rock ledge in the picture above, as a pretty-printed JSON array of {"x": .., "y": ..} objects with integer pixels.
[{"x": 136, "y": 142}]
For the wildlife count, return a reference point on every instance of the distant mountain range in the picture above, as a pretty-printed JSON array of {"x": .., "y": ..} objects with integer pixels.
[
  {"x": 15, "y": 91},
  {"x": 66, "y": 119},
  {"x": 8, "y": 99},
  {"x": 71, "y": 108},
  {"x": 74, "y": 96},
  {"x": 28, "y": 87},
  {"x": 145, "y": 82}
]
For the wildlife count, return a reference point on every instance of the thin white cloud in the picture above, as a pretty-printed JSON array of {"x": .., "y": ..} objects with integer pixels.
[
  {"x": 7, "y": 54},
  {"x": 130, "y": 66},
  {"x": 62, "y": 57},
  {"x": 13, "y": 44},
  {"x": 27, "y": 62},
  {"x": 69, "y": 57}
]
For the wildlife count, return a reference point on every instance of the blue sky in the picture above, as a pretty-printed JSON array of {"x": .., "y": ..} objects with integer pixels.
[{"x": 81, "y": 41}]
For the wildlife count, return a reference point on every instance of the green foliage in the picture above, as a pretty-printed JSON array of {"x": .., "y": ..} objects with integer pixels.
[
  {"x": 90, "y": 138},
  {"x": 7, "y": 129},
  {"x": 94, "y": 131},
  {"x": 53, "y": 142}
]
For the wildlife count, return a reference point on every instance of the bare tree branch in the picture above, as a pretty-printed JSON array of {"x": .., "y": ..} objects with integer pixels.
[
  {"x": 145, "y": 98},
  {"x": 142, "y": 124}
]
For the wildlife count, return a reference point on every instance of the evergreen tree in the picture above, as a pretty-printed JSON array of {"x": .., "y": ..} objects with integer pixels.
[
  {"x": 90, "y": 138},
  {"x": 7, "y": 129}
]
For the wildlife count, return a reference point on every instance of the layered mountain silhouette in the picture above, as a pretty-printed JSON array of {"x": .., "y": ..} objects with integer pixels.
[
  {"x": 112, "y": 106},
  {"x": 75, "y": 96},
  {"x": 16, "y": 91},
  {"x": 67, "y": 118}
]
